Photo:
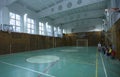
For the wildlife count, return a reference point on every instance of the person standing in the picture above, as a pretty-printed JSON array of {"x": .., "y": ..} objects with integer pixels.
[{"x": 99, "y": 46}]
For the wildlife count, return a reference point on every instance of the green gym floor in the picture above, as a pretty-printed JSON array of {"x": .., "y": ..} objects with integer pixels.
[{"x": 59, "y": 62}]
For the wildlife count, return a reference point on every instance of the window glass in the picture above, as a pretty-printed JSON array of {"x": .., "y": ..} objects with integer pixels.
[
  {"x": 28, "y": 20},
  {"x": 28, "y": 30},
  {"x": 30, "y": 26},
  {"x": 17, "y": 17},
  {"x": 12, "y": 15},
  {"x": 13, "y": 28},
  {"x": 15, "y": 21},
  {"x": 18, "y": 29},
  {"x": 18, "y": 23},
  {"x": 12, "y": 22},
  {"x": 49, "y": 29},
  {"x": 41, "y": 28},
  {"x": 32, "y": 21}
]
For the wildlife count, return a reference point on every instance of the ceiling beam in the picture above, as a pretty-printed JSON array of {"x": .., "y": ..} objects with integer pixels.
[
  {"x": 79, "y": 16},
  {"x": 72, "y": 3},
  {"x": 83, "y": 23}
]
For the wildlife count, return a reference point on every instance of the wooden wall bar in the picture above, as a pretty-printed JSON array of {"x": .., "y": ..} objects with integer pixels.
[
  {"x": 92, "y": 37},
  {"x": 113, "y": 37},
  {"x": 117, "y": 25},
  {"x": 49, "y": 42},
  {"x": 5, "y": 40},
  {"x": 33, "y": 42},
  {"x": 20, "y": 42},
  {"x": 58, "y": 42},
  {"x": 41, "y": 42}
]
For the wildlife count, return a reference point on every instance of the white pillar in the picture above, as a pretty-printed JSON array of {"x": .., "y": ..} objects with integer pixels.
[
  {"x": 45, "y": 29},
  {"x": 25, "y": 23},
  {"x": 37, "y": 27},
  {"x": 113, "y": 4},
  {"x": 0, "y": 17},
  {"x": 4, "y": 16}
]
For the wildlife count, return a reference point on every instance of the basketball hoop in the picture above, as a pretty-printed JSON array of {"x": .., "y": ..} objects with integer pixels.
[
  {"x": 9, "y": 31},
  {"x": 115, "y": 9}
]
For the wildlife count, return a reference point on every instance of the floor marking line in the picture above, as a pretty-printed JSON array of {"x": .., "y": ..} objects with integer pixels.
[
  {"x": 27, "y": 69},
  {"x": 48, "y": 67},
  {"x": 82, "y": 62},
  {"x": 96, "y": 74},
  {"x": 103, "y": 66}
]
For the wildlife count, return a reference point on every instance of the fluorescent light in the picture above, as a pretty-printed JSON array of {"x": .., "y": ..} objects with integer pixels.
[{"x": 96, "y": 30}]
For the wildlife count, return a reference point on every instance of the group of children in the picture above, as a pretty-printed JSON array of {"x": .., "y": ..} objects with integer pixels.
[{"x": 107, "y": 50}]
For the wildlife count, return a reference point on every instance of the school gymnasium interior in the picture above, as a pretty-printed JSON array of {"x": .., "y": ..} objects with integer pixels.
[{"x": 59, "y": 38}]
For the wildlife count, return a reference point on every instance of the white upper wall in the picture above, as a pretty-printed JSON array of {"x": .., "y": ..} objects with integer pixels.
[
  {"x": 4, "y": 16},
  {"x": 15, "y": 8},
  {"x": 21, "y": 10},
  {"x": 4, "y": 3},
  {"x": 0, "y": 17}
]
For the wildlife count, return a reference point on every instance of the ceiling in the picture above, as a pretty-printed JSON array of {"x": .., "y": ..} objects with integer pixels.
[
  {"x": 83, "y": 18},
  {"x": 86, "y": 8},
  {"x": 38, "y": 5}
]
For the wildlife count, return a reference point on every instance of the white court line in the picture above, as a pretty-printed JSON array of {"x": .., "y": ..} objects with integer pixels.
[
  {"x": 26, "y": 69},
  {"x": 96, "y": 74},
  {"x": 103, "y": 66}
]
